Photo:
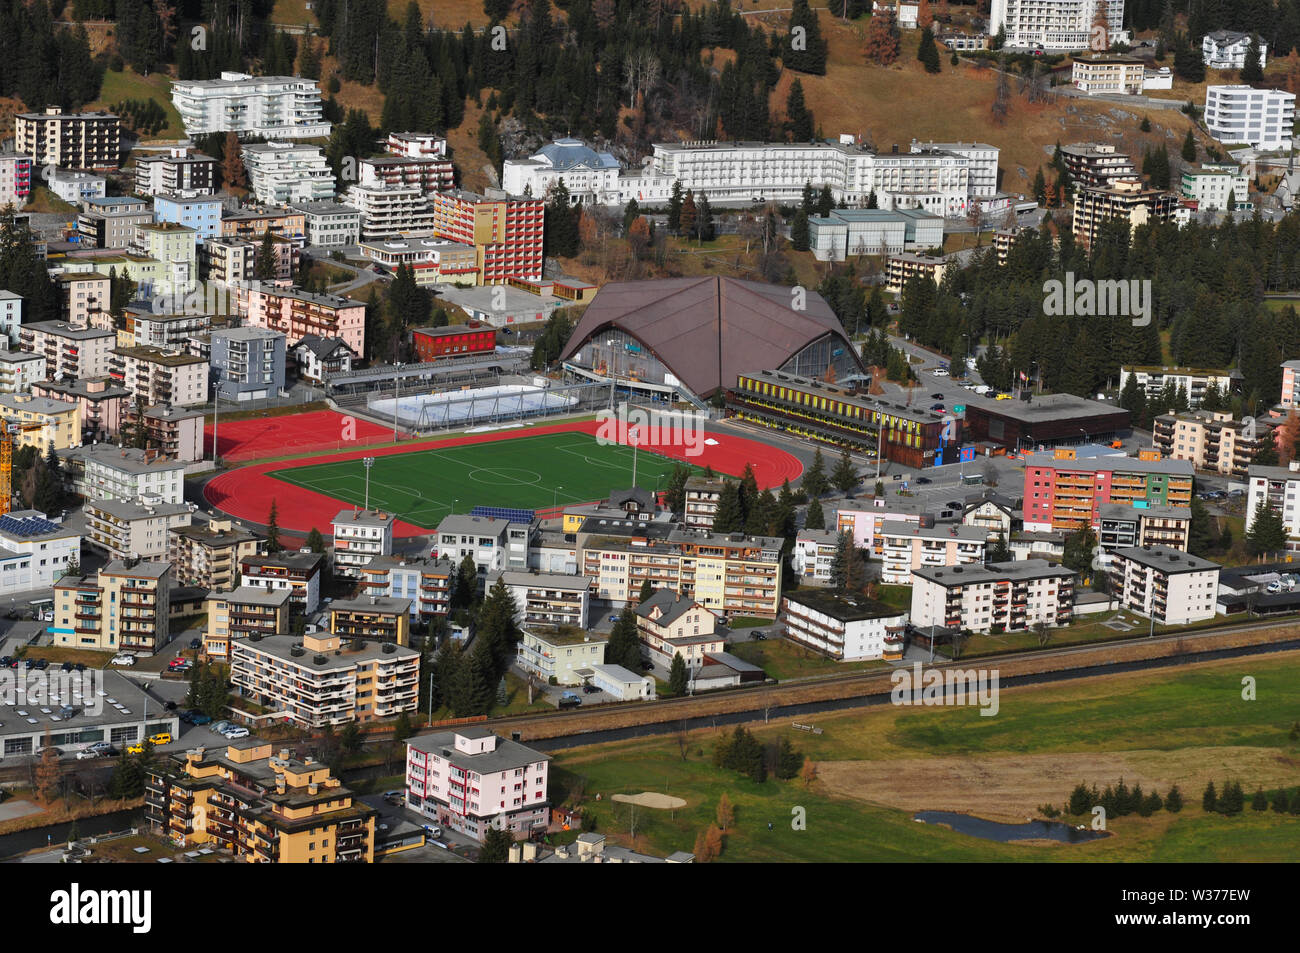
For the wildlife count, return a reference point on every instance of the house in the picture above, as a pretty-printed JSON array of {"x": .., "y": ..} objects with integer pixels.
[
  {"x": 1227, "y": 49},
  {"x": 560, "y": 652},
  {"x": 623, "y": 684},
  {"x": 997, "y": 515},
  {"x": 670, "y": 624},
  {"x": 247, "y": 363},
  {"x": 319, "y": 358},
  {"x": 846, "y": 627}
]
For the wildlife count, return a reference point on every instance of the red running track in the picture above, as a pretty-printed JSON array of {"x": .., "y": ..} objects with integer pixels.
[
  {"x": 260, "y": 437},
  {"x": 247, "y": 493}
]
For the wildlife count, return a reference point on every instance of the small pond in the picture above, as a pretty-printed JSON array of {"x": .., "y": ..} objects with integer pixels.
[{"x": 1004, "y": 833}]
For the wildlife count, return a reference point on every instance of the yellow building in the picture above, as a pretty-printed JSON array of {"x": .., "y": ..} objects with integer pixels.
[
  {"x": 264, "y": 807},
  {"x": 372, "y": 619},
  {"x": 42, "y": 421},
  {"x": 246, "y": 611}
]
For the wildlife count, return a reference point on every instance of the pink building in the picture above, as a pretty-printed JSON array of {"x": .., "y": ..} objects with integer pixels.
[
  {"x": 864, "y": 520},
  {"x": 297, "y": 314},
  {"x": 469, "y": 779},
  {"x": 102, "y": 403},
  {"x": 1290, "y": 392}
]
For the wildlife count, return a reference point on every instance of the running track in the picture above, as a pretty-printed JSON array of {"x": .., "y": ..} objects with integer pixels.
[{"x": 246, "y": 493}]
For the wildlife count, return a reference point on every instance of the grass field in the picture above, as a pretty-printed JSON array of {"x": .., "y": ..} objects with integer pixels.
[
  {"x": 121, "y": 86},
  {"x": 526, "y": 472}
]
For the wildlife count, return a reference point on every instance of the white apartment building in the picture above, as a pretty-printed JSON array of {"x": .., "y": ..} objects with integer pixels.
[
  {"x": 102, "y": 471},
  {"x": 76, "y": 187},
  {"x": 417, "y": 145},
  {"x": 177, "y": 172},
  {"x": 277, "y": 107},
  {"x": 359, "y": 536},
  {"x": 1216, "y": 186},
  {"x": 814, "y": 551},
  {"x": 134, "y": 530},
  {"x": 1278, "y": 487},
  {"x": 1191, "y": 380},
  {"x": 590, "y": 176},
  {"x": 1226, "y": 49},
  {"x": 391, "y": 212},
  {"x": 161, "y": 376},
  {"x": 494, "y": 544},
  {"x": 34, "y": 551},
  {"x": 911, "y": 546},
  {"x": 981, "y": 159},
  {"x": 848, "y": 628},
  {"x": 297, "y": 573},
  {"x": 864, "y": 520},
  {"x": 560, "y": 652},
  {"x": 1055, "y": 24},
  {"x": 19, "y": 370},
  {"x": 69, "y": 350},
  {"x": 1011, "y": 596},
  {"x": 330, "y": 224},
  {"x": 1261, "y": 118},
  {"x": 11, "y": 317},
  {"x": 553, "y": 599},
  {"x": 1108, "y": 73},
  {"x": 1164, "y": 584},
  {"x": 283, "y": 172}
]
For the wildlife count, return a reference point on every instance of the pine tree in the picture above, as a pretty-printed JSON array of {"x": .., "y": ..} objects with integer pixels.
[
  {"x": 815, "y": 518},
  {"x": 1267, "y": 532},
  {"x": 1209, "y": 799},
  {"x": 686, "y": 220},
  {"x": 800, "y": 234},
  {"x": 1251, "y": 71},
  {"x": 1189, "y": 147},
  {"x": 675, "y": 208},
  {"x": 315, "y": 542},
  {"x": 273, "y": 530},
  {"x": 1260, "y": 801},
  {"x": 647, "y": 590},
  {"x": 677, "y": 678},
  {"x": 928, "y": 53},
  {"x": 799, "y": 120},
  {"x": 496, "y": 846},
  {"x": 808, "y": 55},
  {"x": 814, "y": 478},
  {"x": 266, "y": 266},
  {"x": 844, "y": 477},
  {"x": 729, "y": 516},
  {"x": 1174, "y": 800}
]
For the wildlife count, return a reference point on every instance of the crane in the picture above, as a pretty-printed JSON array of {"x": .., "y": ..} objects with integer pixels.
[{"x": 7, "y": 459}]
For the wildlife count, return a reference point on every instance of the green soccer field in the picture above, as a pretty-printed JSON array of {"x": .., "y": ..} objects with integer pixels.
[{"x": 526, "y": 472}]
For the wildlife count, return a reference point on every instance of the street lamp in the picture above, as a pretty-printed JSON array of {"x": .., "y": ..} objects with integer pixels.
[
  {"x": 554, "y": 493},
  {"x": 631, "y": 437},
  {"x": 368, "y": 462}
]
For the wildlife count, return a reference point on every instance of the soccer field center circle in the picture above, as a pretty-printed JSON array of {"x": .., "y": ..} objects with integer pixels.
[
  {"x": 511, "y": 475},
  {"x": 246, "y": 493}
]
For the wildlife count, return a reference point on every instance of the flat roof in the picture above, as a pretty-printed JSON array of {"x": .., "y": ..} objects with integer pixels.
[
  {"x": 846, "y": 607},
  {"x": 1165, "y": 560},
  {"x": 1124, "y": 464},
  {"x": 253, "y": 596},
  {"x": 155, "y": 355},
  {"x": 565, "y": 634},
  {"x": 1022, "y": 569},
  {"x": 119, "y": 701},
  {"x": 386, "y": 604},
  {"x": 506, "y": 756},
  {"x": 127, "y": 459},
  {"x": 365, "y": 517},
  {"x": 350, "y": 652}
]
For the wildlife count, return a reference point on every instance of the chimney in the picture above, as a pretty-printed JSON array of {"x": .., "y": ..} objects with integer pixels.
[
  {"x": 312, "y": 788},
  {"x": 284, "y": 754},
  {"x": 280, "y": 784}
]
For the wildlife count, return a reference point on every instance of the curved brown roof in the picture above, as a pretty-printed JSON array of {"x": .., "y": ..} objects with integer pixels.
[{"x": 708, "y": 330}]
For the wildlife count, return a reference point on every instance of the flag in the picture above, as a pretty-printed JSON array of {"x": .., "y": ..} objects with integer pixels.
[{"x": 1024, "y": 376}]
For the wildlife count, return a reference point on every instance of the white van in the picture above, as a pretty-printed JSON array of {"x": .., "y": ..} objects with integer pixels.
[{"x": 983, "y": 389}]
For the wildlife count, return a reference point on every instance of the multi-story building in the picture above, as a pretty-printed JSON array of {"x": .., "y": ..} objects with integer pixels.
[
  {"x": 76, "y": 187},
  {"x": 1000, "y": 597},
  {"x": 122, "y": 608},
  {"x": 1211, "y": 440},
  {"x": 1064, "y": 492},
  {"x": 554, "y": 599},
  {"x": 11, "y": 317},
  {"x": 176, "y": 247},
  {"x": 1097, "y": 165},
  {"x": 1122, "y": 526},
  {"x": 813, "y": 555},
  {"x": 177, "y": 172},
  {"x": 145, "y": 328},
  {"x": 247, "y": 363},
  {"x": 161, "y": 376},
  {"x": 468, "y": 779},
  {"x": 1109, "y": 73},
  {"x": 297, "y": 313},
  {"x": 199, "y": 212},
  {"x": 425, "y": 582},
  {"x": 84, "y": 299},
  {"x": 170, "y": 430},
  {"x": 208, "y": 556},
  {"x": 560, "y": 652},
  {"x": 262, "y": 808},
  {"x": 494, "y": 544},
  {"x": 228, "y": 261},
  {"x": 1056, "y": 24},
  {"x": 1227, "y": 49},
  {"x": 330, "y": 224},
  {"x": 321, "y": 679},
  {"x": 455, "y": 340},
  {"x": 864, "y": 520},
  {"x": 43, "y": 421},
  {"x": 1193, "y": 382},
  {"x": 900, "y": 269},
  {"x": 669, "y": 624},
  {"x": 591, "y": 177},
  {"x": 873, "y": 231},
  {"x": 282, "y": 172},
  {"x": 101, "y": 402},
  {"x": 981, "y": 159},
  {"x": 417, "y": 145},
  {"x": 1169, "y": 586},
  {"x": 111, "y": 222},
  {"x": 299, "y": 573},
  {"x": 1220, "y": 186},
  {"x": 69, "y": 350},
  {"x": 910, "y": 546},
  {"x": 1130, "y": 202},
  {"x": 372, "y": 619},
  {"x": 1279, "y": 489},
  {"x": 19, "y": 370},
  {"x": 359, "y": 536},
  {"x": 252, "y": 224},
  {"x": 506, "y": 231},
  {"x": 1290, "y": 384},
  {"x": 277, "y": 107},
  {"x": 15, "y": 179},
  {"x": 702, "y": 497},
  {"x": 433, "y": 260},
  {"x": 400, "y": 211},
  {"x": 240, "y": 614},
  {"x": 319, "y": 359},
  {"x": 34, "y": 550},
  {"x": 392, "y": 171},
  {"x": 134, "y": 530},
  {"x": 846, "y": 627},
  {"x": 1004, "y": 238},
  {"x": 1260, "y": 118},
  {"x": 102, "y": 471},
  {"x": 90, "y": 140}
]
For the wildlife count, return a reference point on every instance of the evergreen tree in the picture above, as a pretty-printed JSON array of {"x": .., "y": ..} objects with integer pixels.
[
  {"x": 788, "y": 760},
  {"x": 928, "y": 53},
  {"x": 814, "y": 478},
  {"x": 266, "y": 265},
  {"x": 799, "y": 120},
  {"x": 273, "y": 530},
  {"x": 804, "y": 49},
  {"x": 496, "y": 842},
  {"x": 1260, "y": 801},
  {"x": 1267, "y": 532},
  {"x": 675, "y": 208},
  {"x": 800, "y": 237},
  {"x": 677, "y": 678},
  {"x": 1174, "y": 800},
  {"x": 624, "y": 645},
  {"x": 1251, "y": 71},
  {"x": 1209, "y": 799},
  {"x": 844, "y": 477},
  {"x": 729, "y": 516},
  {"x": 815, "y": 518},
  {"x": 315, "y": 541},
  {"x": 1189, "y": 147}
]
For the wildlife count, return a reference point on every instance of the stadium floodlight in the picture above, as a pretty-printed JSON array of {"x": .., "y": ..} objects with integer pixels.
[{"x": 367, "y": 462}]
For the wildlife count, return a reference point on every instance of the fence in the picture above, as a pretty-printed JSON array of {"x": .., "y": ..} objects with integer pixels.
[{"x": 425, "y": 413}]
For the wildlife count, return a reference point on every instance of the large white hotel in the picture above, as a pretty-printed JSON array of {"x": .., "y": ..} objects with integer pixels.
[
  {"x": 277, "y": 107},
  {"x": 1055, "y": 24}
]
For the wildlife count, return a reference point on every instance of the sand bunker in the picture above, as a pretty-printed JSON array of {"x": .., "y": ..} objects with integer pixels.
[{"x": 653, "y": 799}]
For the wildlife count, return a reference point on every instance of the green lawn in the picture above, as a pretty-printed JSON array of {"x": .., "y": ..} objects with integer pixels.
[
  {"x": 783, "y": 660},
  {"x": 128, "y": 84},
  {"x": 526, "y": 472}
]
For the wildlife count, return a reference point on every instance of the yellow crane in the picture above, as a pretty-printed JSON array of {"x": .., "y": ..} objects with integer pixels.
[{"x": 7, "y": 460}]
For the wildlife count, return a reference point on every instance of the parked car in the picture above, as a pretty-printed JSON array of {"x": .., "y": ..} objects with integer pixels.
[
  {"x": 65, "y": 667},
  {"x": 161, "y": 738},
  {"x": 613, "y": 618},
  {"x": 4, "y": 661},
  {"x": 939, "y": 372},
  {"x": 1003, "y": 397},
  {"x": 80, "y": 667},
  {"x": 923, "y": 480},
  {"x": 103, "y": 747},
  {"x": 937, "y": 395},
  {"x": 195, "y": 644},
  {"x": 938, "y": 408},
  {"x": 569, "y": 700},
  {"x": 432, "y": 830},
  {"x": 395, "y": 797},
  {"x": 589, "y": 689},
  {"x": 760, "y": 636},
  {"x": 221, "y": 726},
  {"x": 235, "y": 732},
  {"x": 86, "y": 754},
  {"x": 198, "y": 718},
  {"x": 123, "y": 660},
  {"x": 137, "y": 748}
]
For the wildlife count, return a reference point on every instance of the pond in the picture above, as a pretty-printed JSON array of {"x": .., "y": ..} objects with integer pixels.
[{"x": 1004, "y": 833}]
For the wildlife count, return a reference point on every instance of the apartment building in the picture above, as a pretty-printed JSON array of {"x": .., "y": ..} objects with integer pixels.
[
  {"x": 847, "y": 628},
  {"x": 1227, "y": 49},
  {"x": 169, "y": 430},
  {"x": 156, "y": 375},
  {"x": 11, "y": 317},
  {"x": 1120, "y": 526},
  {"x": 298, "y": 573},
  {"x": 175, "y": 246},
  {"x": 228, "y": 261},
  {"x": 295, "y": 314},
  {"x": 276, "y": 107},
  {"x": 910, "y": 546},
  {"x": 468, "y": 779},
  {"x": 416, "y": 145},
  {"x": 554, "y": 599},
  {"x": 320, "y": 359},
  {"x": 19, "y": 370},
  {"x": 199, "y": 212},
  {"x": 1211, "y": 440},
  {"x": 864, "y": 520},
  {"x": 1192, "y": 381},
  {"x": 813, "y": 554},
  {"x": 247, "y": 363},
  {"x": 102, "y": 471},
  {"x": 1166, "y": 585},
  {"x": 34, "y": 550},
  {"x": 15, "y": 180},
  {"x": 1004, "y": 238},
  {"x": 669, "y": 624},
  {"x": 425, "y": 582},
  {"x": 178, "y": 172},
  {"x": 321, "y": 679},
  {"x": 1000, "y": 597},
  {"x": 455, "y": 340},
  {"x": 560, "y": 652},
  {"x": 252, "y": 224},
  {"x": 330, "y": 224},
  {"x": 262, "y": 808},
  {"x": 209, "y": 555},
  {"x": 372, "y": 619},
  {"x": 873, "y": 231},
  {"x": 1128, "y": 201},
  {"x": 505, "y": 231},
  {"x": 900, "y": 269},
  {"x": 1108, "y": 73},
  {"x": 494, "y": 544},
  {"x": 1097, "y": 165},
  {"x": 280, "y": 173},
  {"x": 89, "y": 140},
  {"x": 1221, "y": 186},
  {"x": 433, "y": 260},
  {"x": 1056, "y": 24},
  {"x": 42, "y": 421},
  {"x": 126, "y": 530},
  {"x": 702, "y": 496},
  {"x": 429, "y": 175},
  {"x": 242, "y": 613},
  {"x": 981, "y": 159},
  {"x": 1260, "y": 118},
  {"x": 1063, "y": 491},
  {"x": 111, "y": 222},
  {"x": 145, "y": 328},
  {"x": 76, "y": 187},
  {"x": 84, "y": 299},
  {"x": 396, "y": 212},
  {"x": 100, "y": 401},
  {"x": 122, "y": 608},
  {"x": 993, "y": 513},
  {"x": 359, "y": 536}
]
